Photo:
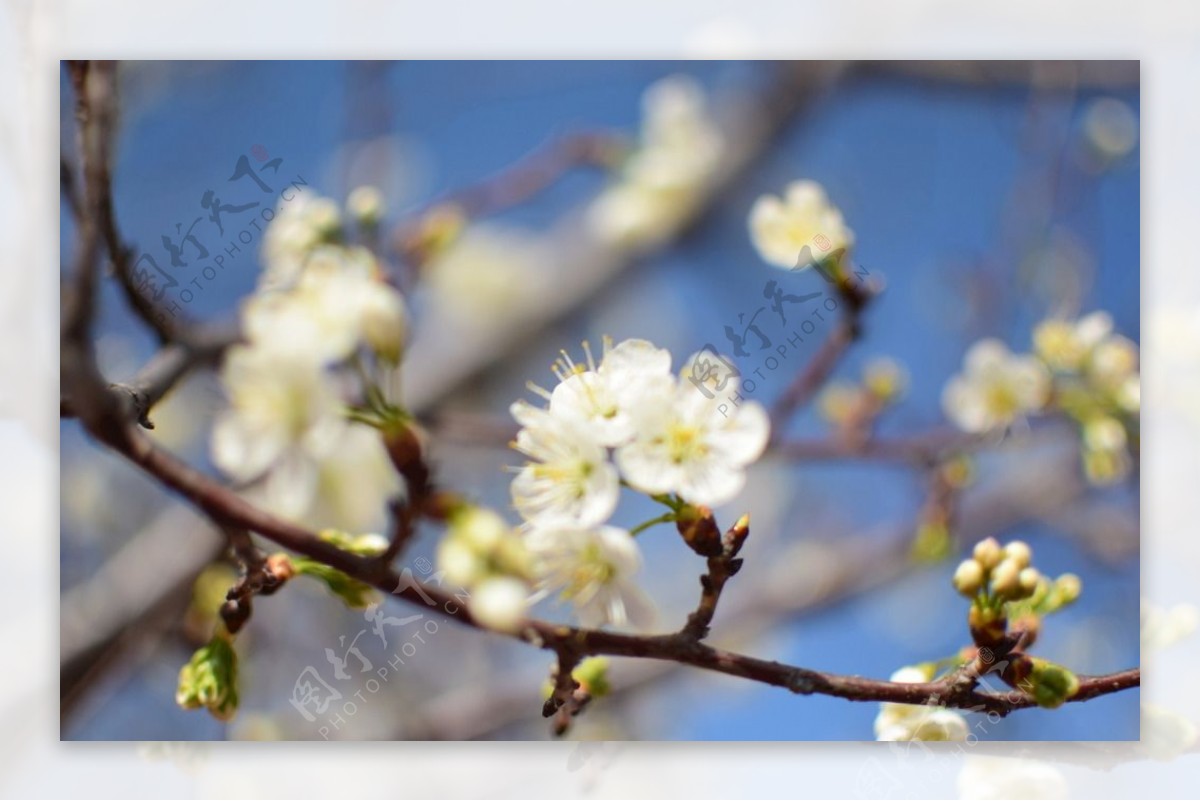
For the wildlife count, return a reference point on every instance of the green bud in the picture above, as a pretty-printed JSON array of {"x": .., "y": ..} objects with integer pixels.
[
  {"x": 356, "y": 594},
  {"x": 1051, "y": 685},
  {"x": 932, "y": 542},
  {"x": 1064, "y": 591},
  {"x": 592, "y": 675},
  {"x": 209, "y": 679}
]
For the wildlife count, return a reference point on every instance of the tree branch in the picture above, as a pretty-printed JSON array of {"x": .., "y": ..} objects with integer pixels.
[{"x": 222, "y": 504}]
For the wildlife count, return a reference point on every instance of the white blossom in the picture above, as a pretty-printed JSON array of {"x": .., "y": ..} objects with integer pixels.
[
  {"x": 780, "y": 228},
  {"x": 662, "y": 180},
  {"x": 1162, "y": 627},
  {"x": 300, "y": 225},
  {"x": 284, "y": 417},
  {"x": 903, "y": 722},
  {"x": 995, "y": 389},
  {"x": 591, "y": 568},
  {"x": 985, "y": 778},
  {"x": 570, "y": 480},
  {"x": 332, "y": 304},
  {"x": 685, "y": 443},
  {"x": 1166, "y": 734},
  {"x": 1065, "y": 344},
  {"x": 604, "y": 397}
]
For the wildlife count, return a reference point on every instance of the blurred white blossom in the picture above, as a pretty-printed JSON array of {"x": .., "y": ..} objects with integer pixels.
[
  {"x": 986, "y": 778},
  {"x": 995, "y": 389},
  {"x": 781, "y": 228},
  {"x": 284, "y": 417},
  {"x": 299, "y": 226},
  {"x": 663, "y": 178},
  {"x": 903, "y": 722},
  {"x": 593, "y": 569},
  {"x": 1162, "y": 627}
]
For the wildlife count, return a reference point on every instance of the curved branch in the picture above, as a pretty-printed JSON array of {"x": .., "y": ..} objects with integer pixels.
[{"x": 223, "y": 505}]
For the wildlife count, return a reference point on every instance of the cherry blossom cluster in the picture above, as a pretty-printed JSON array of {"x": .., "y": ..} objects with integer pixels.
[
  {"x": 621, "y": 420},
  {"x": 323, "y": 336},
  {"x": 1078, "y": 367}
]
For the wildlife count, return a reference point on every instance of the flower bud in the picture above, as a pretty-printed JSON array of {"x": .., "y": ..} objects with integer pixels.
[
  {"x": 988, "y": 553},
  {"x": 1028, "y": 579},
  {"x": 323, "y": 217},
  {"x": 384, "y": 322},
  {"x": 592, "y": 675},
  {"x": 1019, "y": 552},
  {"x": 458, "y": 561},
  {"x": 1051, "y": 685},
  {"x": 1006, "y": 579},
  {"x": 885, "y": 379},
  {"x": 968, "y": 578},
  {"x": 210, "y": 678},
  {"x": 482, "y": 529},
  {"x": 1068, "y": 587},
  {"x": 499, "y": 603},
  {"x": 699, "y": 530},
  {"x": 365, "y": 205}
]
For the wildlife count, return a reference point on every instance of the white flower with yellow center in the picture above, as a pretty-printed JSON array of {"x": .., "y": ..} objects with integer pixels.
[
  {"x": 300, "y": 225},
  {"x": 685, "y": 443},
  {"x": 592, "y": 569},
  {"x": 569, "y": 480},
  {"x": 995, "y": 389},
  {"x": 337, "y": 301},
  {"x": 663, "y": 178},
  {"x": 603, "y": 397},
  {"x": 903, "y": 722},
  {"x": 781, "y": 228},
  {"x": 284, "y": 417},
  {"x": 1066, "y": 345}
]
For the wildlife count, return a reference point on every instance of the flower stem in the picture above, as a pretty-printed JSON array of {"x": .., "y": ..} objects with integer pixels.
[{"x": 666, "y": 517}]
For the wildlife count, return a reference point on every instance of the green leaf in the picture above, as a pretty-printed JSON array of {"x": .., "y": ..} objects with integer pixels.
[{"x": 209, "y": 679}]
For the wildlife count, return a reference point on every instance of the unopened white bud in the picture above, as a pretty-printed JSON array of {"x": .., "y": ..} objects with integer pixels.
[
  {"x": 499, "y": 603},
  {"x": 365, "y": 204},
  {"x": 482, "y": 529},
  {"x": 968, "y": 578},
  {"x": 1006, "y": 579},
  {"x": 1029, "y": 579},
  {"x": 1068, "y": 587},
  {"x": 1019, "y": 552},
  {"x": 384, "y": 322},
  {"x": 988, "y": 553},
  {"x": 458, "y": 561}
]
